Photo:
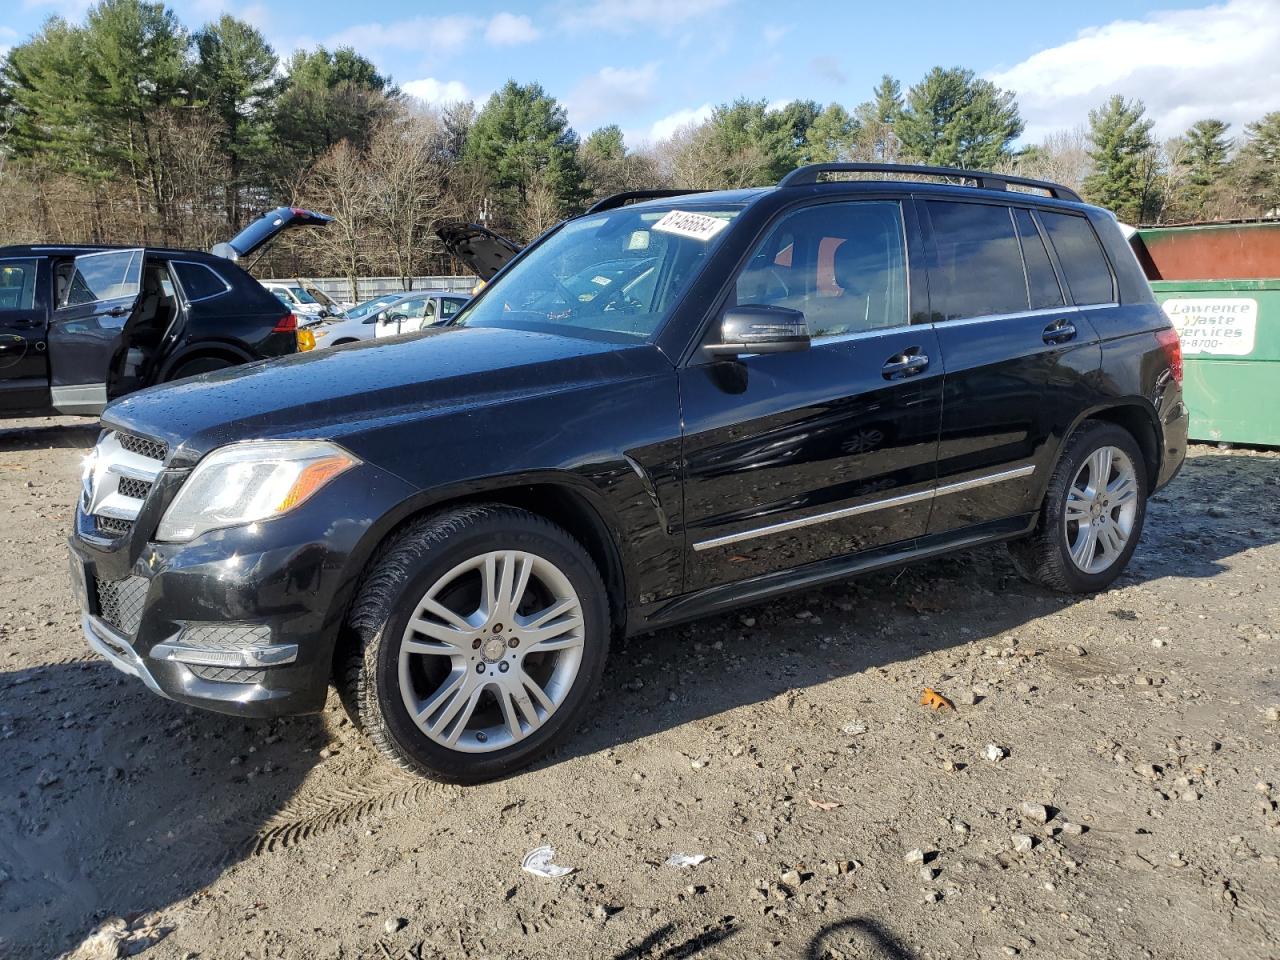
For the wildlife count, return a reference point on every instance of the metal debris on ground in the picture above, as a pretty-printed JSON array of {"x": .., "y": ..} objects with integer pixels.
[{"x": 539, "y": 863}]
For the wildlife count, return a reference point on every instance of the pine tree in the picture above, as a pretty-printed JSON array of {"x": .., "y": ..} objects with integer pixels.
[
  {"x": 1123, "y": 162},
  {"x": 521, "y": 142},
  {"x": 952, "y": 118}
]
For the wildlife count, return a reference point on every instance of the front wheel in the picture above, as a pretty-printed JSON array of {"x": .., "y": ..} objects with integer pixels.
[
  {"x": 1092, "y": 514},
  {"x": 476, "y": 640}
]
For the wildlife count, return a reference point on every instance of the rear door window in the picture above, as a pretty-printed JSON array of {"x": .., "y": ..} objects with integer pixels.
[
  {"x": 978, "y": 267},
  {"x": 451, "y": 305},
  {"x": 18, "y": 284},
  {"x": 1084, "y": 265},
  {"x": 1042, "y": 282}
]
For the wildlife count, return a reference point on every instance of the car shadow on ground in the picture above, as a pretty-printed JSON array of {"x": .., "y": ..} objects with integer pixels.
[
  {"x": 118, "y": 802},
  {"x": 66, "y": 434}
]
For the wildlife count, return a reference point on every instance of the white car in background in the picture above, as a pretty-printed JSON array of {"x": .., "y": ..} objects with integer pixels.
[
  {"x": 388, "y": 316},
  {"x": 304, "y": 299},
  {"x": 417, "y": 310}
]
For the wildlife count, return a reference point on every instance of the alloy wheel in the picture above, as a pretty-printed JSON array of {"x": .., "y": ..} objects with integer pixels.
[
  {"x": 491, "y": 651},
  {"x": 1101, "y": 507}
]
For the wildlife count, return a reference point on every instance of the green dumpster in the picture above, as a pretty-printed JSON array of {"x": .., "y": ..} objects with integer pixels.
[
  {"x": 1230, "y": 331},
  {"x": 1220, "y": 285}
]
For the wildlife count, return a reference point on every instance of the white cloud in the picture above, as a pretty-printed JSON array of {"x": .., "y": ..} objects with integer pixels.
[
  {"x": 509, "y": 30},
  {"x": 436, "y": 92},
  {"x": 1217, "y": 61},
  {"x": 622, "y": 16},
  {"x": 437, "y": 34},
  {"x": 610, "y": 94},
  {"x": 418, "y": 33},
  {"x": 664, "y": 128},
  {"x": 773, "y": 34}
]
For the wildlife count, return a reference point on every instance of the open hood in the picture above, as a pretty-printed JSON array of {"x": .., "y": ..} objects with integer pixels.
[
  {"x": 266, "y": 228},
  {"x": 482, "y": 250}
]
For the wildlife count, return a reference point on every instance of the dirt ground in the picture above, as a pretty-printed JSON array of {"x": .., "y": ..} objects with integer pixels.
[{"x": 786, "y": 743}]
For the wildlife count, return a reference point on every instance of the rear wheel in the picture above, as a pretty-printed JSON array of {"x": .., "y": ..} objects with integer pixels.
[
  {"x": 479, "y": 635},
  {"x": 1092, "y": 513}
]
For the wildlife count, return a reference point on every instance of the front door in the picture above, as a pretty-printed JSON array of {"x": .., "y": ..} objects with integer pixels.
[
  {"x": 1017, "y": 357},
  {"x": 87, "y": 330},
  {"x": 792, "y": 458},
  {"x": 25, "y": 287}
]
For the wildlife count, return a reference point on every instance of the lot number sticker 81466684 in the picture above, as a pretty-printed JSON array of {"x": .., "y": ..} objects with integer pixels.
[
  {"x": 1223, "y": 326},
  {"x": 695, "y": 226}
]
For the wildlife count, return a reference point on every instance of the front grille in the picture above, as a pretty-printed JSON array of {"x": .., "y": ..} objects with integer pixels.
[
  {"x": 113, "y": 527},
  {"x": 228, "y": 674},
  {"x": 120, "y": 602},
  {"x": 135, "y": 489},
  {"x": 143, "y": 446}
]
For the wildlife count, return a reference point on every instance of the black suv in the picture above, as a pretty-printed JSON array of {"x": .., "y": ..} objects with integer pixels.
[
  {"x": 83, "y": 325},
  {"x": 757, "y": 391}
]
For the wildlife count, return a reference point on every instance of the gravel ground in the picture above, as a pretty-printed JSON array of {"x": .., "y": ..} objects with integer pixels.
[{"x": 1106, "y": 785}]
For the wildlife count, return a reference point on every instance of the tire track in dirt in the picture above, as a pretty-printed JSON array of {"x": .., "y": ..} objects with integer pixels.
[{"x": 341, "y": 808}]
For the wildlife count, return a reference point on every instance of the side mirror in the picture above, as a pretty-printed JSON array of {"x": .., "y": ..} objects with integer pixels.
[{"x": 758, "y": 328}]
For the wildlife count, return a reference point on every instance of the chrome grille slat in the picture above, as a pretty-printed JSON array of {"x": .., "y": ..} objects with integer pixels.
[{"x": 125, "y": 468}]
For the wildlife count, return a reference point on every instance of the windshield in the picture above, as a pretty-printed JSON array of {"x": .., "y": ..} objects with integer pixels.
[
  {"x": 612, "y": 276},
  {"x": 374, "y": 305}
]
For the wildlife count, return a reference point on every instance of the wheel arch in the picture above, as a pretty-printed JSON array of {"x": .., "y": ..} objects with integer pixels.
[
  {"x": 569, "y": 503},
  {"x": 1139, "y": 420},
  {"x": 198, "y": 351}
]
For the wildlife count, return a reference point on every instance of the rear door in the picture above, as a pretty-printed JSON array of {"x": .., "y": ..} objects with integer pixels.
[
  {"x": 25, "y": 288},
  {"x": 792, "y": 458},
  {"x": 1018, "y": 359},
  {"x": 87, "y": 330}
]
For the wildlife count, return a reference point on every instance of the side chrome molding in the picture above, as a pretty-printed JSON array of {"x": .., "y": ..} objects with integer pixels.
[{"x": 886, "y": 504}]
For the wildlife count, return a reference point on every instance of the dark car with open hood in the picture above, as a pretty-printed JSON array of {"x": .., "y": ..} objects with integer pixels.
[
  {"x": 83, "y": 325},
  {"x": 665, "y": 408}
]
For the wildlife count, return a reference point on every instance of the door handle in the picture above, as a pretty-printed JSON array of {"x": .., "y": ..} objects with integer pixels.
[
  {"x": 906, "y": 364},
  {"x": 1060, "y": 331},
  {"x": 117, "y": 311}
]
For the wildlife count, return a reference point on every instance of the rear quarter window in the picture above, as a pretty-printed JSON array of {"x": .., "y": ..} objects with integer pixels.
[
  {"x": 1084, "y": 266},
  {"x": 199, "y": 282}
]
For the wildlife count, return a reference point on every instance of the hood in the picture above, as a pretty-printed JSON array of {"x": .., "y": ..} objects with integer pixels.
[
  {"x": 266, "y": 228},
  {"x": 340, "y": 393},
  {"x": 482, "y": 250}
]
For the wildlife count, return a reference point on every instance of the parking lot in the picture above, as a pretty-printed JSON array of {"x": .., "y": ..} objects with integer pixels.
[{"x": 786, "y": 743}]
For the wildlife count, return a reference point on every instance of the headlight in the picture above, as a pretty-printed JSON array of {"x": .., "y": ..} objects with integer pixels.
[{"x": 247, "y": 482}]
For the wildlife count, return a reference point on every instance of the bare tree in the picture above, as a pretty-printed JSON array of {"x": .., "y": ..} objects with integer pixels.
[
  {"x": 339, "y": 184},
  {"x": 407, "y": 169}
]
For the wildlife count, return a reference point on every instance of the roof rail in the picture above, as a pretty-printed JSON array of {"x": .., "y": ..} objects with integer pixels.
[
  {"x": 628, "y": 196},
  {"x": 803, "y": 176}
]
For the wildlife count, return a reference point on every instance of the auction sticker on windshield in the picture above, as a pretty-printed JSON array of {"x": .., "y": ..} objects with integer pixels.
[
  {"x": 1222, "y": 326},
  {"x": 695, "y": 226}
]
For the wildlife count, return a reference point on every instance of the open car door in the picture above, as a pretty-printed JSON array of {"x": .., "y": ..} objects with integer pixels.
[
  {"x": 95, "y": 301},
  {"x": 266, "y": 228},
  {"x": 482, "y": 250}
]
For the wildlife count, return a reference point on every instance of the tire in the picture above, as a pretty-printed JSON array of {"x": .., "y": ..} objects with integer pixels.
[
  {"x": 1046, "y": 557},
  {"x": 193, "y": 368},
  {"x": 467, "y": 686}
]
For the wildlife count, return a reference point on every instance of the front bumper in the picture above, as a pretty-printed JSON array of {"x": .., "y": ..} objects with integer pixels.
[{"x": 242, "y": 620}]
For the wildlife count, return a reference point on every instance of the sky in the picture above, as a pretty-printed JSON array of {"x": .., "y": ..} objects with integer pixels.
[{"x": 653, "y": 65}]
